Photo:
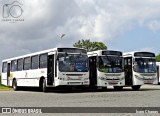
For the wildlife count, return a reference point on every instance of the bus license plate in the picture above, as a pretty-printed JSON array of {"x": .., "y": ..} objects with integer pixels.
[
  {"x": 113, "y": 82},
  {"x": 149, "y": 81}
]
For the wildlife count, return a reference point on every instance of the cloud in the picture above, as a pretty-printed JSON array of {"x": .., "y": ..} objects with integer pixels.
[
  {"x": 154, "y": 25},
  {"x": 100, "y": 20},
  {"x": 147, "y": 49}
]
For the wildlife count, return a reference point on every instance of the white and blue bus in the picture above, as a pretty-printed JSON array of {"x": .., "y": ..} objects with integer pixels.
[
  {"x": 106, "y": 69},
  {"x": 49, "y": 68},
  {"x": 140, "y": 68}
]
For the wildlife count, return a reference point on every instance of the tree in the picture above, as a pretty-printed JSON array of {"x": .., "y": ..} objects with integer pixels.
[
  {"x": 158, "y": 58},
  {"x": 90, "y": 46}
]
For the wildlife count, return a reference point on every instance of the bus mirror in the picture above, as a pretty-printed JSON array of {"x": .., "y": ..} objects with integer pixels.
[
  {"x": 134, "y": 63},
  {"x": 57, "y": 58},
  {"x": 97, "y": 64},
  {"x": 66, "y": 54}
]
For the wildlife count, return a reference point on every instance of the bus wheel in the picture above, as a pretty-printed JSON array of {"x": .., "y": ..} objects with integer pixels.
[
  {"x": 14, "y": 85},
  {"x": 83, "y": 88},
  {"x": 104, "y": 88},
  {"x": 69, "y": 88},
  {"x": 118, "y": 88},
  {"x": 136, "y": 87},
  {"x": 44, "y": 87}
]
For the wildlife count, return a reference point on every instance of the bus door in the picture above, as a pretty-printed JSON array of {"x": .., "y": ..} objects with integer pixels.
[
  {"x": 158, "y": 76},
  {"x": 8, "y": 73},
  {"x": 128, "y": 70},
  {"x": 50, "y": 71},
  {"x": 93, "y": 71}
]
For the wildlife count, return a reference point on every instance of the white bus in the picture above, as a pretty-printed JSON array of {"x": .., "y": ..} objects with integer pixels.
[
  {"x": 106, "y": 69},
  {"x": 140, "y": 68},
  {"x": 49, "y": 68},
  {"x": 158, "y": 71}
]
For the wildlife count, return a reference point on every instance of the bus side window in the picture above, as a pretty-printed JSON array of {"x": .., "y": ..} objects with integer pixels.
[
  {"x": 129, "y": 61},
  {"x": 126, "y": 64},
  {"x": 34, "y": 62},
  {"x": 43, "y": 61},
  {"x": 4, "y": 69},
  {"x": 26, "y": 63},
  {"x": 13, "y": 65},
  {"x": 19, "y": 64}
]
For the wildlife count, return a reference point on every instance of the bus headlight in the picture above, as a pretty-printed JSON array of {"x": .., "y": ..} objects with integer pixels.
[
  {"x": 102, "y": 78},
  {"x": 154, "y": 77},
  {"x": 138, "y": 77},
  {"x": 86, "y": 78},
  {"x": 121, "y": 78},
  {"x": 60, "y": 78}
]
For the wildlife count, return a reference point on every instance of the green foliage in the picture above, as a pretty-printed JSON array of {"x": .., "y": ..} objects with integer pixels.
[
  {"x": 158, "y": 58},
  {"x": 3, "y": 87},
  {"x": 90, "y": 46}
]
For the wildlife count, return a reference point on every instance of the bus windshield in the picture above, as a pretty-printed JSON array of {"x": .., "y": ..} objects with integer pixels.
[
  {"x": 145, "y": 65},
  {"x": 72, "y": 62},
  {"x": 110, "y": 64}
]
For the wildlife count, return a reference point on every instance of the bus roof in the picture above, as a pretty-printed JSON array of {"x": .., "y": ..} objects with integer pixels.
[
  {"x": 133, "y": 53},
  {"x": 102, "y": 52},
  {"x": 37, "y": 53}
]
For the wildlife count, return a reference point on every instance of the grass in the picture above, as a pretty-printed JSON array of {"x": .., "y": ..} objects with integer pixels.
[{"x": 3, "y": 87}]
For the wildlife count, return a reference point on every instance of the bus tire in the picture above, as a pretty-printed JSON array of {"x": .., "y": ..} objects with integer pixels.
[
  {"x": 44, "y": 87},
  {"x": 118, "y": 88},
  {"x": 136, "y": 87},
  {"x": 69, "y": 88},
  {"x": 104, "y": 88},
  {"x": 83, "y": 88},
  {"x": 14, "y": 85}
]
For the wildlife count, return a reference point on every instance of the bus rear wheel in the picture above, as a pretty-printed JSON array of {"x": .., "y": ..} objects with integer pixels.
[
  {"x": 14, "y": 85},
  {"x": 118, "y": 88},
  {"x": 136, "y": 87},
  {"x": 44, "y": 87}
]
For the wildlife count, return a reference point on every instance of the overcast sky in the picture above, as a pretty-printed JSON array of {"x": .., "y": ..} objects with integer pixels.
[{"x": 124, "y": 25}]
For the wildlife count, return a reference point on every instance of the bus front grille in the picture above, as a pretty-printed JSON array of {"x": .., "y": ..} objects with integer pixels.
[
  {"x": 75, "y": 83},
  {"x": 74, "y": 74}
]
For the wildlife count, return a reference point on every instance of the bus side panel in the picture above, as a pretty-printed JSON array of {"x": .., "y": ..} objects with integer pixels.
[
  {"x": 18, "y": 75},
  {"x": 29, "y": 77},
  {"x": 4, "y": 78}
]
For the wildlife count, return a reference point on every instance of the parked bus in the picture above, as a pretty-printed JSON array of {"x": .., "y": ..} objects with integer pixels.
[
  {"x": 106, "y": 69},
  {"x": 49, "y": 68},
  {"x": 140, "y": 68},
  {"x": 158, "y": 71}
]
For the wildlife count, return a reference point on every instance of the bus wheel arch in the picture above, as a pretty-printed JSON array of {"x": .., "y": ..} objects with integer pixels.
[{"x": 14, "y": 84}]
